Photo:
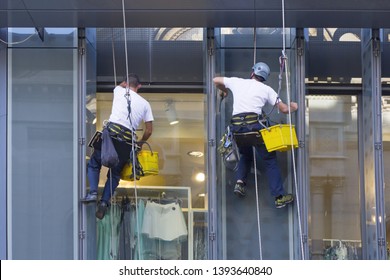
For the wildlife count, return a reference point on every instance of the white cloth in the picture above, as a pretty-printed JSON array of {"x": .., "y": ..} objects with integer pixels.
[
  {"x": 140, "y": 109},
  {"x": 250, "y": 95},
  {"x": 164, "y": 221}
]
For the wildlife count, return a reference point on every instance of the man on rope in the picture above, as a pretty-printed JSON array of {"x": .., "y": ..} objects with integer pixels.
[
  {"x": 249, "y": 97},
  {"x": 129, "y": 109}
]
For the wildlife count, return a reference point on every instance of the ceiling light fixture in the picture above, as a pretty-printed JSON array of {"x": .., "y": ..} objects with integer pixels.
[
  {"x": 197, "y": 154},
  {"x": 200, "y": 177}
]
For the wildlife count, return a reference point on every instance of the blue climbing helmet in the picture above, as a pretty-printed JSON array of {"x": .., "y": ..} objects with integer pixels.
[{"x": 261, "y": 69}]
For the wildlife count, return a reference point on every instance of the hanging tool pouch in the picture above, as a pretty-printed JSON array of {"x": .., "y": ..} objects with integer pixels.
[
  {"x": 228, "y": 150},
  {"x": 120, "y": 132},
  {"x": 109, "y": 155},
  {"x": 245, "y": 127}
]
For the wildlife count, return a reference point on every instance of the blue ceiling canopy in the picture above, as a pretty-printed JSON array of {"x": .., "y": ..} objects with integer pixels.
[{"x": 200, "y": 13}]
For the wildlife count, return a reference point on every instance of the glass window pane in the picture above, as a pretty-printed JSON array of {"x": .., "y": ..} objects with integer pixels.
[
  {"x": 48, "y": 37},
  {"x": 238, "y": 219},
  {"x": 386, "y": 162},
  {"x": 181, "y": 152},
  {"x": 334, "y": 215},
  {"x": 42, "y": 86}
]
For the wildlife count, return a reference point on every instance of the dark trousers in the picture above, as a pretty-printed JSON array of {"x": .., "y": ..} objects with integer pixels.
[
  {"x": 271, "y": 166},
  {"x": 95, "y": 164},
  {"x": 269, "y": 158}
]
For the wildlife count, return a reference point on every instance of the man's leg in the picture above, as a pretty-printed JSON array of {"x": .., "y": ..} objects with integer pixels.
[
  {"x": 113, "y": 177},
  {"x": 93, "y": 173},
  {"x": 274, "y": 178},
  {"x": 244, "y": 166}
]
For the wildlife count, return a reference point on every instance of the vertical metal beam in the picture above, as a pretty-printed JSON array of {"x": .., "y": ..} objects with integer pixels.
[
  {"x": 370, "y": 149},
  {"x": 3, "y": 146},
  {"x": 211, "y": 148},
  {"x": 81, "y": 150},
  {"x": 302, "y": 152}
]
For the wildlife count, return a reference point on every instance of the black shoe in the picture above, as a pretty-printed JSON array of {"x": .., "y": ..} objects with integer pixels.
[
  {"x": 239, "y": 189},
  {"x": 101, "y": 209}
]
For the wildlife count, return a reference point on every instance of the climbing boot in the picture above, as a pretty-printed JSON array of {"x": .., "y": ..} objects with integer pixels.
[
  {"x": 239, "y": 189},
  {"x": 90, "y": 197},
  {"x": 101, "y": 209},
  {"x": 283, "y": 200}
]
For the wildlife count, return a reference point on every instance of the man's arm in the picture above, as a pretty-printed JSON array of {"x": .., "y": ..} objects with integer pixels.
[
  {"x": 284, "y": 107},
  {"x": 148, "y": 131},
  {"x": 218, "y": 81}
]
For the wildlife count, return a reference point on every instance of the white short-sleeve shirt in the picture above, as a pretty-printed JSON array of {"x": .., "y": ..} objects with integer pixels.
[
  {"x": 250, "y": 95},
  {"x": 140, "y": 109}
]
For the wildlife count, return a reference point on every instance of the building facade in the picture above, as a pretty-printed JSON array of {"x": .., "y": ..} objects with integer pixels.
[{"x": 56, "y": 91}]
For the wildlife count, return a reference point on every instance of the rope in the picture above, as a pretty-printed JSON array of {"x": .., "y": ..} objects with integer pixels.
[
  {"x": 19, "y": 42},
  {"x": 253, "y": 147},
  {"x": 111, "y": 194},
  {"x": 131, "y": 125},
  {"x": 111, "y": 219},
  {"x": 257, "y": 203},
  {"x": 254, "y": 44},
  {"x": 283, "y": 65},
  {"x": 113, "y": 55}
]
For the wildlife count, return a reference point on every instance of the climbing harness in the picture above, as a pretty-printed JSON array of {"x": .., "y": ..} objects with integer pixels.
[{"x": 120, "y": 132}]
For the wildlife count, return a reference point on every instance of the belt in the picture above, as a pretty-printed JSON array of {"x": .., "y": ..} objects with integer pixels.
[
  {"x": 245, "y": 119},
  {"x": 120, "y": 132}
]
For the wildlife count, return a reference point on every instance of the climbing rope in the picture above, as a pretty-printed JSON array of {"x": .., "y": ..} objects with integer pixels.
[
  {"x": 257, "y": 203},
  {"x": 133, "y": 154},
  {"x": 113, "y": 56},
  {"x": 283, "y": 63},
  {"x": 254, "y": 149}
]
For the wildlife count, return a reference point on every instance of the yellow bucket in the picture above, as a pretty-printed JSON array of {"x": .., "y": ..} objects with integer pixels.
[
  {"x": 277, "y": 138},
  {"x": 148, "y": 165},
  {"x": 149, "y": 162}
]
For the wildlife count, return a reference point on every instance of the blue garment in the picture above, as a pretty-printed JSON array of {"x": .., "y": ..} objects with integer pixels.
[
  {"x": 270, "y": 161},
  {"x": 95, "y": 163}
]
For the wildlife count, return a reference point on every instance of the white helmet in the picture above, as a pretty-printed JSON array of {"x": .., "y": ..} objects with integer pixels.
[{"x": 261, "y": 69}]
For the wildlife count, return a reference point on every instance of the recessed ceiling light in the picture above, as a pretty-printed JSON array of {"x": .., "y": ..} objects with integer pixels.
[
  {"x": 195, "y": 154},
  {"x": 200, "y": 177}
]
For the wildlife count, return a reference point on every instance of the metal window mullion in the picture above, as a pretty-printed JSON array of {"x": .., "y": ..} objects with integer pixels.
[
  {"x": 81, "y": 149},
  {"x": 211, "y": 147},
  {"x": 302, "y": 165},
  {"x": 378, "y": 151}
]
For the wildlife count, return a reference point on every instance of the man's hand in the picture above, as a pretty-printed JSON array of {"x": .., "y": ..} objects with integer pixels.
[
  {"x": 222, "y": 94},
  {"x": 293, "y": 106}
]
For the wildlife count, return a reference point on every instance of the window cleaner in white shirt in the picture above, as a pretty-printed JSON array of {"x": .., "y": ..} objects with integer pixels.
[
  {"x": 122, "y": 129},
  {"x": 249, "y": 98}
]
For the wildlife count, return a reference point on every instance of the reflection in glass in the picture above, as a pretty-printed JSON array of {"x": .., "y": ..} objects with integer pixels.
[
  {"x": 334, "y": 215},
  {"x": 386, "y": 161}
]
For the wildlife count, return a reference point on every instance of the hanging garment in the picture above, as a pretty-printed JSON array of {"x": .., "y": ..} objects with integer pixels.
[
  {"x": 108, "y": 230},
  {"x": 164, "y": 222},
  {"x": 136, "y": 226}
]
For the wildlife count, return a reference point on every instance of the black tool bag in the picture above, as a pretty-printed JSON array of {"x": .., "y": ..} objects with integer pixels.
[
  {"x": 228, "y": 149},
  {"x": 109, "y": 155}
]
